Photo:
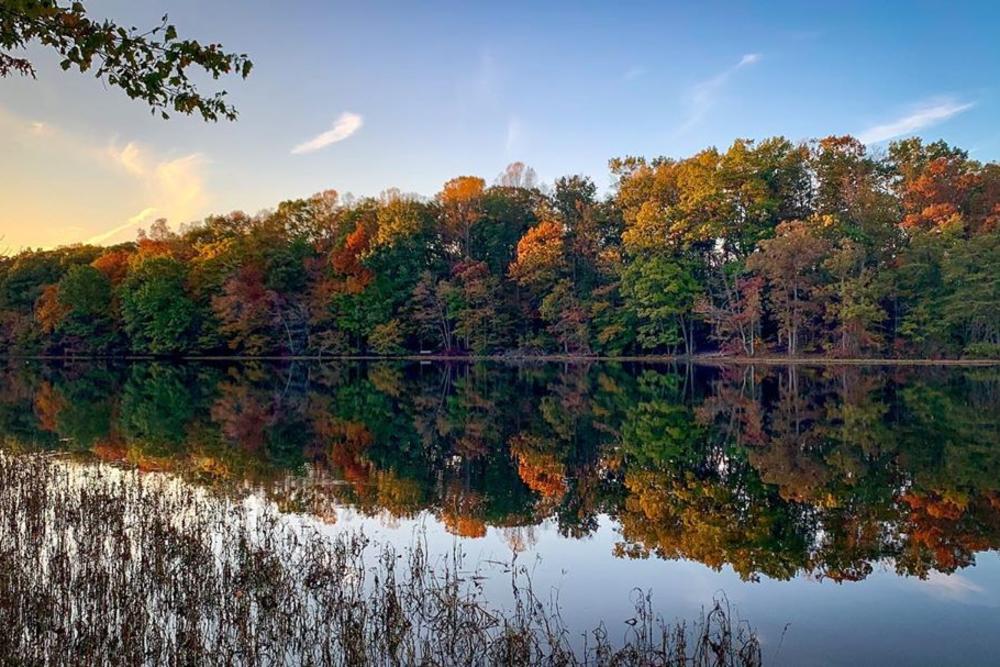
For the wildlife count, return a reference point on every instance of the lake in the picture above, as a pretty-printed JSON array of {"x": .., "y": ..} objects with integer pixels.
[{"x": 849, "y": 514}]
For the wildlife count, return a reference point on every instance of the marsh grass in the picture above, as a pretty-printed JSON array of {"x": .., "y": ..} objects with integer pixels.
[{"x": 101, "y": 565}]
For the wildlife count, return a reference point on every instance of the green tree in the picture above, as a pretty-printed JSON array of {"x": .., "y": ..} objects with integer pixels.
[
  {"x": 971, "y": 306},
  {"x": 86, "y": 295},
  {"x": 662, "y": 292},
  {"x": 852, "y": 301},
  {"x": 157, "y": 313}
]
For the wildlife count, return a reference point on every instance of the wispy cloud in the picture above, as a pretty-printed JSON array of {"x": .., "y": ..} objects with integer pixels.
[
  {"x": 174, "y": 187},
  {"x": 137, "y": 219},
  {"x": 346, "y": 124},
  {"x": 130, "y": 157},
  {"x": 922, "y": 115},
  {"x": 704, "y": 94}
]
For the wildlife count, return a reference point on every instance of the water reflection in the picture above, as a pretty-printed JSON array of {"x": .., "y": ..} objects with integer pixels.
[{"x": 775, "y": 472}]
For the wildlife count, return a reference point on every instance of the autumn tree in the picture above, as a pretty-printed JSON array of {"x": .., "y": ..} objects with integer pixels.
[
  {"x": 246, "y": 311},
  {"x": 736, "y": 318},
  {"x": 567, "y": 318},
  {"x": 49, "y": 312},
  {"x": 460, "y": 200},
  {"x": 114, "y": 265},
  {"x": 791, "y": 265},
  {"x": 540, "y": 258},
  {"x": 940, "y": 187}
]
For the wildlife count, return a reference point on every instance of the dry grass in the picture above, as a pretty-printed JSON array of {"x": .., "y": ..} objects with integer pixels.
[{"x": 100, "y": 565}]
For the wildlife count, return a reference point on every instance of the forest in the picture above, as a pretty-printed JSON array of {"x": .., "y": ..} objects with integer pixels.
[{"x": 819, "y": 248}]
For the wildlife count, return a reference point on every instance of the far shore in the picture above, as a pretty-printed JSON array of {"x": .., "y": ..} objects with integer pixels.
[{"x": 698, "y": 359}]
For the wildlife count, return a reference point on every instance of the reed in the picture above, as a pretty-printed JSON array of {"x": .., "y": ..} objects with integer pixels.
[{"x": 102, "y": 565}]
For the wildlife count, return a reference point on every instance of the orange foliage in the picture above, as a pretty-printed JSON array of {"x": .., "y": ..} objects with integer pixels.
[
  {"x": 462, "y": 189},
  {"x": 347, "y": 262},
  {"x": 946, "y": 192},
  {"x": 351, "y": 439},
  {"x": 540, "y": 255},
  {"x": 464, "y": 526},
  {"x": 49, "y": 313},
  {"x": 460, "y": 199},
  {"x": 155, "y": 248},
  {"x": 934, "y": 506},
  {"x": 114, "y": 265},
  {"x": 355, "y": 471}
]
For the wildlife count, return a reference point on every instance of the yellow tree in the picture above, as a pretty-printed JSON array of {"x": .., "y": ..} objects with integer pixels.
[{"x": 461, "y": 202}]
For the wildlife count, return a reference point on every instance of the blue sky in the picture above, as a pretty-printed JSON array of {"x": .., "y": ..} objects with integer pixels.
[{"x": 407, "y": 95}]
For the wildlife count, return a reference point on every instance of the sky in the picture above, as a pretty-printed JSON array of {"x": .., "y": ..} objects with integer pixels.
[{"x": 363, "y": 96}]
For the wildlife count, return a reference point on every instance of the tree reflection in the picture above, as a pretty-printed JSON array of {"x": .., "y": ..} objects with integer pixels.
[{"x": 776, "y": 472}]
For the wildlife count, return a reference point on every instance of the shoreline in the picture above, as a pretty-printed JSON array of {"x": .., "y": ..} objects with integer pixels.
[{"x": 698, "y": 360}]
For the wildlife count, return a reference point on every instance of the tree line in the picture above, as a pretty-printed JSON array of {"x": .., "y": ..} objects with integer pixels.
[{"x": 824, "y": 247}]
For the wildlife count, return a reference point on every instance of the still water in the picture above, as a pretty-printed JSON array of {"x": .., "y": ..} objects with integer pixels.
[{"x": 850, "y": 514}]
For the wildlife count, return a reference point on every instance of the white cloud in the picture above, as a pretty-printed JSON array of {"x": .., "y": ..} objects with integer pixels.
[
  {"x": 135, "y": 220},
  {"x": 174, "y": 188},
  {"x": 180, "y": 181},
  {"x": 141, "y": 179},
  {"x": 704, "y": 94},
  {"x": 346, "y": 124},
  {"x": 923, "y": 115}
]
